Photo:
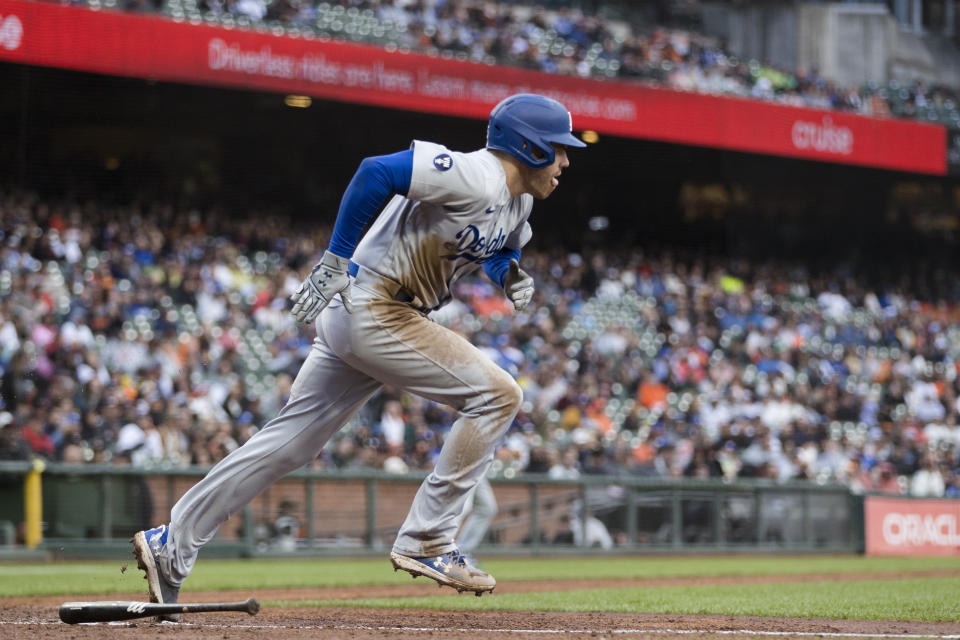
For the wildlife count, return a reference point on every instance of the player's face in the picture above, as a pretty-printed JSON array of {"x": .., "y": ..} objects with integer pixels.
[{"x": 542, "y": 182}]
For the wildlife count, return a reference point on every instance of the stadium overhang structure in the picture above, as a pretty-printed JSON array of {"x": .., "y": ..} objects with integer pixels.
[{"x": 160, "y": 48}]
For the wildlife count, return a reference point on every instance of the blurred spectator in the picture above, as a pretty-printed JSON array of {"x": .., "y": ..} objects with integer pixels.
[
  {"x": 883, "y": 479},
  {"x": 12, "y": 445},
  {"x": 927, "y": 482},
  {"x": 393, "y": 426},
  {"x": 39, "y": 441},
  {"x": 652, "y": 393},
  {"x": 567, "y": 468}
]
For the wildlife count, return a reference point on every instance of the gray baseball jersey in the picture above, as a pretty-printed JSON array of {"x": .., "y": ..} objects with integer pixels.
[{"x": 458, "y": 213}]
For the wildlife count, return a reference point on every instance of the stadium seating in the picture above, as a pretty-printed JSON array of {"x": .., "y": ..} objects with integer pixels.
[{"x": 118, "y": 344}]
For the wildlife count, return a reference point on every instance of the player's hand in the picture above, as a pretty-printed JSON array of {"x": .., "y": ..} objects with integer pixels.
[
  {"x": 328, "y": 278},
  {"x": 518, "y": 285}
]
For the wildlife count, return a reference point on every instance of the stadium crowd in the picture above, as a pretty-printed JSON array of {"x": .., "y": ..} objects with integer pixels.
[
  {"x": 152, "y": 336},
  {"x": 566, "y": 40}
]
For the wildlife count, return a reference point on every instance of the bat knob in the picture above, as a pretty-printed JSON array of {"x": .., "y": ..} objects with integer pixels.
[{"x": 253, "y": 606}]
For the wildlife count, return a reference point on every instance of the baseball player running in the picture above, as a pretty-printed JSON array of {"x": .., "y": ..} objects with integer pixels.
[{"x": 448, "y": 214}]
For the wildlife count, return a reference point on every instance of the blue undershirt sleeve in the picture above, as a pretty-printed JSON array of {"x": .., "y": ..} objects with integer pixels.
[
  {"x": 377, "y": 179},
  {"x": 497, "y": 266}
]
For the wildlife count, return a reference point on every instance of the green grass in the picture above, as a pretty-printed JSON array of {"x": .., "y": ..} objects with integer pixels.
[
  {"x": 903, "y": 599},
  {"x": 213, "y": 575},
  {"x": 917, "y": 599}
]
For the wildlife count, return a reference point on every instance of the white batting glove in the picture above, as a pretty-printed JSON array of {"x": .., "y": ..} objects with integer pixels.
[
  {"x": 518, "y": 285},
  {"x": 328, "y": 278}
]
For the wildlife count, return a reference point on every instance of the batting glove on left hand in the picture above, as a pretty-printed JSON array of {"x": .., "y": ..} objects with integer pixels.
[
  {"x": 518, "y": 285},
  {"x": 328, "y": 278}
]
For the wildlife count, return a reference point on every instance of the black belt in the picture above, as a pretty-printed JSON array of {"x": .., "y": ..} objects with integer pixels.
[
  {"x": 399, "y": 294},
  {"x": 402, "y": 295}
]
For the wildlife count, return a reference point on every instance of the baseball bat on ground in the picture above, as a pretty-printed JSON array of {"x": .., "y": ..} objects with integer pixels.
[{"x": 113, "y": 610}]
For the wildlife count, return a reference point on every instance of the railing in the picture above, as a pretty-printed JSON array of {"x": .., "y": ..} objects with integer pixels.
[{"x": 90, "y": 508}]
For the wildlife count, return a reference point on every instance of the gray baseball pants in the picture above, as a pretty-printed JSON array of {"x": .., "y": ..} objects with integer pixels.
[
  {"x": 481, "y": 509},
  {"x": 383, "y": 341}
]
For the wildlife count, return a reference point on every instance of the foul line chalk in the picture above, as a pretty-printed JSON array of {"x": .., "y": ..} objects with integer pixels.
[{"x": 660, "y": 631}]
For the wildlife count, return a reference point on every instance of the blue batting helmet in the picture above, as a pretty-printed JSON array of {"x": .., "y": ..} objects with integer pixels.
[{"x": 527, "y": 126}]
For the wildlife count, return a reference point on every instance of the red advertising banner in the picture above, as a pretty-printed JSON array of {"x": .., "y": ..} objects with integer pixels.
[
  {"x": 905, "y": 527},
  {"x": 159, "y": 48}
]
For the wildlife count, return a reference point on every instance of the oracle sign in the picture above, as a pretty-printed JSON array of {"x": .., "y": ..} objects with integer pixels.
[
  {"x": 900, "y": 529},
  {"x": 822, "y": 136},
  {"x": 899, "y": 526},
  {"x": 11, "y": 33}
]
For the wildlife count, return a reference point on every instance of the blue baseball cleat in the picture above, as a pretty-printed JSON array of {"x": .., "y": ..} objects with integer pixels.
[
  {"x": 451, "y": 569},
  {"x": 149, "y": 548}
]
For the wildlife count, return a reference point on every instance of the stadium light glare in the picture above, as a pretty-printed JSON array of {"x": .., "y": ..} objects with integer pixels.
[
  {"x": 598, "y": 223},
  {"x": 298, "y": 102},
  {"x": 589, "y": 136}
]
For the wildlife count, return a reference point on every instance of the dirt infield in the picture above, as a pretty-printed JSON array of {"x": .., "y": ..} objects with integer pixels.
[{"x": 36, "y": 618}]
